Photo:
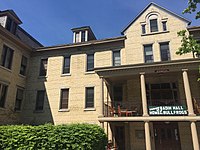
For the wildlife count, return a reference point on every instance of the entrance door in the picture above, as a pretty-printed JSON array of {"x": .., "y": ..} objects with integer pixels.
[
  {"x": 120, "y": 137},
  {"x": 166, "y": 136}
]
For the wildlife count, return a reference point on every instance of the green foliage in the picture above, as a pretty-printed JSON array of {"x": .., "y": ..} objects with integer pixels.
[
  {"x": 189, "y": 44},
  {"x": 192, "y": 7},
  {"x": 61, "y": 137}
]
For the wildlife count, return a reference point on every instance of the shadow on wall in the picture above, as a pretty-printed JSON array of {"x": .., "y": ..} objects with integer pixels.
[{"x": 36, "y": 109}]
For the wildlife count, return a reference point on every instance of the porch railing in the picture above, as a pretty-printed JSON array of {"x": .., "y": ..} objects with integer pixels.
[
  {"x": 130, "y": 108},
  {"x": 122, "y": 109}
]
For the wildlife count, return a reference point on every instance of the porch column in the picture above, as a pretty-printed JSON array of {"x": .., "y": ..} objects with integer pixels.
[
  {"x": 143, "y": 93},
  {"x": 147, "y": 136},
  {"x": 194, "y": 136},
  {"x": 101, "y": 104},
  {"x": 187, "y": 92}
]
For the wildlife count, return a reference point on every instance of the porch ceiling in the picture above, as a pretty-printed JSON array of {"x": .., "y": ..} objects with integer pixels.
[{"x": 127, "y": 71}]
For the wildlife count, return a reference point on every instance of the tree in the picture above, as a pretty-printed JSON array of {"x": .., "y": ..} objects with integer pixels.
[
  {"x": 192, "y": 7},
  {"x": 188, "y": 44}
]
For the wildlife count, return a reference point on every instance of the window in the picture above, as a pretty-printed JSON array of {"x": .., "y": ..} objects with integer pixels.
[
  {"x": 164, "y": 51},
  {"x": 83, "y": 36},
  {"x": 116, "y": 58},
  {"x": 3, "y": 92},
  {"x": 164, "y": 24},
  {"x": 6, "y": 57},
  {"x": 162, "y": 94},
  {"x": 118, "y": 93},
  {"x": 64, "y": 99},
  {"x": 89, "y": 97},
  {"x": 19, "y": 98},
  {"x": 66, "y": 65},
  {"x": 143, "y": 29},
  {"x": 11, "y": 25},
  {"x": 43, "y": 67},
  {"x": 8, "y": 24},
  {"x": 153, "y": 25},
  {"x": 23, "y": 66},
  {"x": 148, "y": 53},
  {"x": 90, "y": 62},
  {"x": 77, "y": 37},
  {"x": 40, "y": 100}
]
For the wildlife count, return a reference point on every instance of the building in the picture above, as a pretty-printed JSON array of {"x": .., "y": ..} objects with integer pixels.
[
  {"x": 16, "y": 46},
  {"x": 134, "y": 86}
]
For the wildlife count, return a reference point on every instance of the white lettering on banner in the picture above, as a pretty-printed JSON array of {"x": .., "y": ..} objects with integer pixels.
[{"x": 167, "y": 110}]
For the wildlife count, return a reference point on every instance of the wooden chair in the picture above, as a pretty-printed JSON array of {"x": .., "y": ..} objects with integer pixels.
[
  {"x": 196, "y": 106},
  {"x": 112, "y": 111},
  {"x": 124, "y": 111}
]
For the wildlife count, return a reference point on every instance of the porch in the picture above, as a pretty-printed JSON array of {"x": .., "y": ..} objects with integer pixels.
[{"x": 154, "y": 92}]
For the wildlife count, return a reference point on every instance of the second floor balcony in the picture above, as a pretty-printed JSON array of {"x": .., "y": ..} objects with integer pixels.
[{"x": 162, "y": 107}]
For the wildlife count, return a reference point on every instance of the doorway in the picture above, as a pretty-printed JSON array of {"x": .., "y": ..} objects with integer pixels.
[
  {"x": 166, "y": 136},
  {"x": 120, "y": 137}
]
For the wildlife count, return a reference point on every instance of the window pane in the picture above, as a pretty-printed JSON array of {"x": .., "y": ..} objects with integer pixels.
[
  {"x": 43, "y": 67},
  {"x": 66, "y": 66},
  {"x": 3, "y": 92},
  {"x": 90, "y": 97},
  {"x": 77, "y": 37},
  {"x": 148, "y": 53},
  {"x": 8, "y": 24},
  {"x": 164, "y": 26},
  {"x": 23, "y": 65},
  {"x": 116, "y": 58},
  {"x": 83, "y": 36},
  {"x": 64, "y": 98},
  {"x": 8, "y": 60},
  {"x": 3, "y": 55},
  {"x": 154, "y": 25},
  {"x": 164, "y": 50},
  {"x": 90, "y": 62},
  {"x": 40, "y": 100},
  {"x": 19, "y": 98},
  {"x": 143, "y": 29},
  {"x": 6, "y": 57}
]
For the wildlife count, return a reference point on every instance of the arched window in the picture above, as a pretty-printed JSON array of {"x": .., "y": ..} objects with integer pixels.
[{"x": 153, "y": 22}]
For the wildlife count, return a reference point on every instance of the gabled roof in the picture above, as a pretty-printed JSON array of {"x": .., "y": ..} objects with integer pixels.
[
  {"x": 12, "y": 14},
  {"x": 160, "y": 7}
]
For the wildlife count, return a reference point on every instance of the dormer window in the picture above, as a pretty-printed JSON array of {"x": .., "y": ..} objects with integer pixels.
[
  {"x": 154, "y": 25},
  {"x": 83, "y": 34},
  {"x": 9, "y": 20},
  {"x": 11, "y": 25}
]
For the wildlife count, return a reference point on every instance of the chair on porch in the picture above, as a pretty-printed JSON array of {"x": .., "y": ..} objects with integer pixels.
[
  {"x": 124, "y": 111},
  {"x": 196, "y": 106},
  {"x": 112, "y": 111}
]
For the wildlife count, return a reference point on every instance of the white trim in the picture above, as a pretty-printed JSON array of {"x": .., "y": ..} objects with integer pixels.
[{"x": 86, "y": 35}]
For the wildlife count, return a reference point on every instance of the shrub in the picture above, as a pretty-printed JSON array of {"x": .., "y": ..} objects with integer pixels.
[{"x": 69, "y": 137}]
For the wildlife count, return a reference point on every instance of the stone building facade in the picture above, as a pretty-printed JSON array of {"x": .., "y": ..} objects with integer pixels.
[{"x": 134, "y": 86}]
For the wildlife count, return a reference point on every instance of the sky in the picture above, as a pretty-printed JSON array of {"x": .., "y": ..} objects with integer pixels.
[{"x": 51, "y": 21}]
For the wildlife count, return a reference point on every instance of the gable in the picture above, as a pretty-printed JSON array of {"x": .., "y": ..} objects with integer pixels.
[{"x": 154, "y": 8}]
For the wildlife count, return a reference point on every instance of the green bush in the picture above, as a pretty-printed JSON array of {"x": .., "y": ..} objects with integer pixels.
[{"x": 50, "y": 137}]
